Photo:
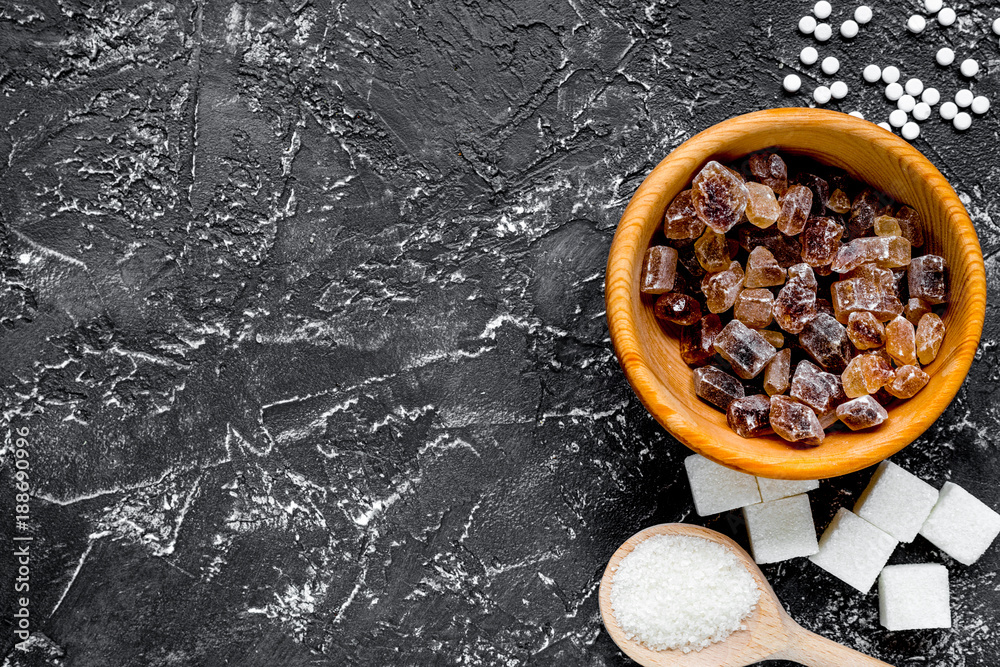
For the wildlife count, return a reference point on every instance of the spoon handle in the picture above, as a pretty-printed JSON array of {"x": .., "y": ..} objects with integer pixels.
[{"x": 812, "y": 650}]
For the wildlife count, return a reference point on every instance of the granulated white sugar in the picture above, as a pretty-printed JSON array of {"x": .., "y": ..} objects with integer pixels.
[{"x": 682, "y": 592}]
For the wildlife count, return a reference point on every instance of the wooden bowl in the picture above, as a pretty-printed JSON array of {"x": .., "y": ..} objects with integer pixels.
[{"x": 651, "y": 358}]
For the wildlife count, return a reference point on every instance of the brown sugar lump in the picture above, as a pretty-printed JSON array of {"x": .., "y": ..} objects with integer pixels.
[
  {"x": 720, "y": 196},
  {"x": 763, "y": 270},
  {"x": 819, "y": 187},
  {"x": 826, "y": 341},
  {"x": 910, "y": 225},
  {"x": 681, "y": 221},
  {"x": 775, "y": 338},
  {"x": 907, "y": 382},
  {"x": 750, "y": 416},
  {"x": 796, "y": 302},
  {"x": 887, "y": 252},
  {"x": 866, "y": 374},
  {"x": 717, "y": 387},
  {"x": 777, "y": 372},
  {"x": 712, "y": 251},
  {"x": 722, "y": 288},
  {"x": 753, "y": 308},
  {"x": 762, "y": 205},
  {"x": 677, "y": 307},
  {"x": 796, "y": 205},
  {"x": 915, "y": 309},
  {"x": 770, "y": 169},
  {"x": 786, "y": 250},
  {"x": 866, "y": 207},
  {"x": 886, "y": 225},
  {"x": 865, "y": 331},
  {"x": 839, "y": 202},
  {"x": 745, "y": 349},
  {"x": 795, "y": 422},
  {"x": 818, "y": 389},
  {"x": 900, "y": 341},
  {"x": 659, "y": 269},
  {"x": 927, "y": 280},
  {"x": 861, "y": 412},
  {"x": 854, "y": 295},
  {"x": 820, "y": 241},
  {"x": 930, "y": 334},
  {"x": 698, "y": 340}
]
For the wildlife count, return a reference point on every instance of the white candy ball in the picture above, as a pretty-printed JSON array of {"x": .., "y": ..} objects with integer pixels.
[
  {"x": 897, "y": 118},
  {"x": 980, "y": 105},
  {"x": 913, "y": 87},
  {"x": 863, "y": 14},
  {"x": 822, "y": 9},
  {"x": 922, "y": 111},
  {"x": 807, "y": 25},
  {"x": 945, "y": 56},
  {"x": 947, "y": 16},
  {"x": 996, "y": 26},
  {"x": 872, "y": 73},
  {"x": 809, "y": 55},
  {"x": 822, "y": 95},
  {"x": 849, "y": 29},
  {"x": 893, "y": 91},
  {"x": 885, "y": 126},
  {"x": 948, "y": 110},
  {"x": 857, "y": 114},
  {"x": 963, "y": 121},
  {"x": 830, "y": 65},
  {"x": 823, "y": 32},
  {"x": 910, "y": 131},
  {"x": 906, "y": 103},
  {"x": 839, "y": 90},
  {"x": 931, "y": 96},
  {"x": 963, "y": 98},
  {"x": 916, "y": 23},
  {"x": 933, "y": 6},
  {"x": 969, "y": 67},
  {"x": 890, "y": 74},
  {"x": 792, "y": 83}
]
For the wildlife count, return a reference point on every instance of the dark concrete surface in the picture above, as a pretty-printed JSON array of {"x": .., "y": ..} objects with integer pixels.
[{"x": 302, "y": 313}]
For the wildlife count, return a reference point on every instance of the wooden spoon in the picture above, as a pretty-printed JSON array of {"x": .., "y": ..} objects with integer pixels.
[{"x": 771, "y": 633}]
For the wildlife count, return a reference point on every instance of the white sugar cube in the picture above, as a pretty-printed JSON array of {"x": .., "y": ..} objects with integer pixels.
[
  {"x": 896, "y": 501},
  {"x": 781, "y": 529},
  {"x": 772, "y": 489},
  {"x": 853, "y": 550},
  {"x": 914, "y": 597},
  {"x": 716, "y": 488},
  {"x": 961, "y": 525}
]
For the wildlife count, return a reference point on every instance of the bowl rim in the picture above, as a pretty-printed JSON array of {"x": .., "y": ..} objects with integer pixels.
[{"x": 620, "y": 273}]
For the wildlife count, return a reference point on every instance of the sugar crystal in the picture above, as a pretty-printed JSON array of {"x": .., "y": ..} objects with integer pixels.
[
  {"x": 795, "y": 422},
  {"x": 861, "y": 412},
  {"x": 720, "y": 196},
  {"x": 749, "y": 417},
  {"x": 745, "y": 349},
  {"x": 717, "y": 386},
  {"x": 658, "y": 270}
]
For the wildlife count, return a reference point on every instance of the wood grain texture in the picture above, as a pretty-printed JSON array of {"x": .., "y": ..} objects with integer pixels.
[
  {"x": 771, "y": 634},
  {"x": 651, "y": 360}
]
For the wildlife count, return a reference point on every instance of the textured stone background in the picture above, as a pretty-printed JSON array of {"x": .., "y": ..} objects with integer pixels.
[{"x": 302, "y": 304}]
